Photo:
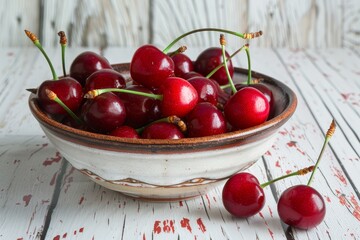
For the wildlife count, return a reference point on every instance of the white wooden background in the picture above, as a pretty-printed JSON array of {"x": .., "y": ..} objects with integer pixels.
[{"x": 103, "y": 23}]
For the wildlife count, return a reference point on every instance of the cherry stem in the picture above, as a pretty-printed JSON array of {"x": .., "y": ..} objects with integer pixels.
[
  {"x": 52, "y": 96},
  {"x": 223, "y": 64},
  {"x": 328, "y": 135},
  {"x": 37, "y": 43},
  {"x": 297, "y": 173},
  {"x": 249, "y": 81},
  {"x": 241, "y": 35},
  {"x": 170, "y": 119},
  {"x": 63, "y": 43},
  {"x": 96, "y": 92},
  {"x": 179, "y": 50},
  {"x": 222, "y": 43}
]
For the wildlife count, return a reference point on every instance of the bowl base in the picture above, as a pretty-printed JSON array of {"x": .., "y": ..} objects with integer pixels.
[{"x": 157, "y": 193}]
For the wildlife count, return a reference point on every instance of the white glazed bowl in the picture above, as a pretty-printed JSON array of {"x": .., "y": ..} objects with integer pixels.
[{"x": 163, "y": 170}]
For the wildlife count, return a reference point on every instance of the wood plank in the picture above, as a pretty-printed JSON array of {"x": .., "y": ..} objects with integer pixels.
[
  {"x": 297, "y": 24},
  {"x": 97, "y": 23},
  {"x": 351, "y": 24},
  {"x": 29, "y": 170},
  {"x": 15, "y": 16},
  {"x": 173, "y": 18}
]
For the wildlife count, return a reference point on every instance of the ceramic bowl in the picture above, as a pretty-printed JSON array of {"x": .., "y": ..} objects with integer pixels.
[{"x": 163, "y": 170}]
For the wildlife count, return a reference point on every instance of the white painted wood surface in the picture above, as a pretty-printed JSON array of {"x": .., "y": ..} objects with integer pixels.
[
  {"x": 43, "y": 197},
  {"x": 129, "y": 23}
]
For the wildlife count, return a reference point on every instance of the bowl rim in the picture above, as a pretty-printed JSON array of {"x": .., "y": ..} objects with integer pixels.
[{"x": 270, "y": 124}]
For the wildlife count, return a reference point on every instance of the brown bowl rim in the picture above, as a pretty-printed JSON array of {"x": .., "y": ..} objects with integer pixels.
[{"x": 269, "y": 125}]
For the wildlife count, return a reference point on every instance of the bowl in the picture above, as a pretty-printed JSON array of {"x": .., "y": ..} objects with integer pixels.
[{"x": 165, "y": 170}]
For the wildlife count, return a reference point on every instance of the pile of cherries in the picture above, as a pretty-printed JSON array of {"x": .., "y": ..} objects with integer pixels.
[
  {"x": 172, "y": 97},
  {"x": 165, "y": 86}
]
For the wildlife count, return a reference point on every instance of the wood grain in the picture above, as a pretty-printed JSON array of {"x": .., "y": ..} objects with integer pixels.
[
  {"x": 131, "y": 23},
  {"x": 15, "y": 16}
]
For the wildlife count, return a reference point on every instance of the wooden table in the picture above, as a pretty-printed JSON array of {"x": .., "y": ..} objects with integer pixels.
[{"x": 43, "y": 197}]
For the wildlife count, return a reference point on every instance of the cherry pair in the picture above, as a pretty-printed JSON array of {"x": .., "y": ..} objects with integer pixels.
[{"x": 300, "y": 206}]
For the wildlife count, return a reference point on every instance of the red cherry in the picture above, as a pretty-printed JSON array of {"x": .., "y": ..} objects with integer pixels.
[
  {"x": 125, "y": 132},
  {"x": 206, "y": 89},
  {"x": 149, "y": 66},
  {"x": 162, "y": 130},
  {"x": 182, "y": 64},
  {"x": 104, "y": 78},
  {"x": 87, "y": 63},
  {"x": 205, "y": 120},
  {"x": 67, "y": 89},
  {"x": 209, "y": 59},
  {"x": 104, "y": 113},
  {"x": 242, "y": 195},
  {"x": 262, "y": 88},
  {"x": 179, "y": 97},
  {"x": 191, "y": 74},
  {"x": 140, "y": 110},
  {"x": 248, "y": 107},
  {"x": 302, "y": 207}
]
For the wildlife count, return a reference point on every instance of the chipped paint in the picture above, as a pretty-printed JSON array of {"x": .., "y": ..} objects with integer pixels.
[
  {"x": 201, "y": 225},
  {"x": 185, "y": 223},
  {"x": 27, "y": 199}
]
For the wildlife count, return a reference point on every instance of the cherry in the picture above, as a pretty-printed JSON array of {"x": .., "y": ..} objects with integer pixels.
[
  {"x": 104, "y": 113},
  {"x": 182, "y": 64},
  {"x": 162, "y": 130},
  {"x": 104, "y": 78},
  {"x": 259, "y": 86},
  {"x": 262, "y": 88},
  {"x": 205, "y": 120},
  {"x": 140, "y": 110},
  {"x": 67, "y": 89},
  {"x": 125, "y": 132},
  {"x": 87, "y": 63},
  {"x": 179, "y": 97},
  {"x": 301, "y": 206},
  {"x": 248, "y": 107},
  {"x": 149, "y": 66},
  {"x": 209, "y": 59},
  {"x": 242, "y": 195},
  {"x": 191, "y": 74},
  {"x": 206, "y": 89}
]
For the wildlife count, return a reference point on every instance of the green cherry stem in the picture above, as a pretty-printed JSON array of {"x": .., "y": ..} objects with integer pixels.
[
  {"x": 241, "y": 35},
  {"x": 328, "y": 135},
  {"x": 222, "y": 43},
  {"x": 170, "y": 119},
  {"x": 94, "y": 93},
  {"x": 52, "y": 96},
  {"x": 179, "y": 50},
  {"x": 37, "y": 43},
  {"x": 249, "y": 81},
  {"x": 63, "y": 43},
  {"x": 297, "y": 173}
]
